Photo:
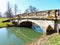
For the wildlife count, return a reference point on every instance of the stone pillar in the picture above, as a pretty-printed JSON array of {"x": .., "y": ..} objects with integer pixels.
[
  {"x": 56, "y": 21},
  {"x": 55, "y": 26}
]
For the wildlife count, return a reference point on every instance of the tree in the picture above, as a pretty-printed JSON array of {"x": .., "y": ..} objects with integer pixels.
[
  {"x": 0, "y": 15},
  {"x": 15, "y": 9},
  {"x": 27, "y": 11},
  {"x": 35, "y": 9},
  {"x": 9, "y": 11},
  {"x": 31, "y": 9}
]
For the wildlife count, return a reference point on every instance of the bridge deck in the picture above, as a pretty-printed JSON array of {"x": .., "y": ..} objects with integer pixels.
[{"x": 37, "y": 18}]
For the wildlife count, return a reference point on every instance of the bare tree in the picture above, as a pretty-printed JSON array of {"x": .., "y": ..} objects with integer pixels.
[
  {"x": 31, "y": 9},
  {"x": 15, "y": 8},
  {"x": 27, "y": 11},
  {"x": 9, "y": 11},
  {"x": 35, "y": 9}
]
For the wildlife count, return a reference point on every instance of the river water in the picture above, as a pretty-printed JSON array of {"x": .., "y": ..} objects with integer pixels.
[{"x": 17, "y": 36}]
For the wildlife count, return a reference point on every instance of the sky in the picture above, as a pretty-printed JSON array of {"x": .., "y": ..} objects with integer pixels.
[{"x": 24, "y": 4}]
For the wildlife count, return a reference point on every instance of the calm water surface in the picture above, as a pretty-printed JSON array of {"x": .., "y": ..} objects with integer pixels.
[{"x": 9, "y": 36}]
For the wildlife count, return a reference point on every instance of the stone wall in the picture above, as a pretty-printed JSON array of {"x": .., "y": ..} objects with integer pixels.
[{"x": 42, "y": 23}]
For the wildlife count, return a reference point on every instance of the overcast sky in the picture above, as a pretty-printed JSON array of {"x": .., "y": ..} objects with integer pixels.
[{"x": 24, "y": 4}]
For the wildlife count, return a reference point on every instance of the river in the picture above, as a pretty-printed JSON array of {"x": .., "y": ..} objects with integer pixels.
[{"x": 17, "y": 35}]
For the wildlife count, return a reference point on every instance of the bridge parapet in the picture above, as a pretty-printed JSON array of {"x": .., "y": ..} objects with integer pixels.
[{"x": 49, "y": 14}]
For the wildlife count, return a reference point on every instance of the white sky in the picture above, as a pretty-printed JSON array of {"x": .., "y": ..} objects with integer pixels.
[{"x": 3, "y": 5}]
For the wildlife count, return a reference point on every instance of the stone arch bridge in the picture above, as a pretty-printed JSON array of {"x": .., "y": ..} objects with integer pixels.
[{"x": 48, "y": 20}]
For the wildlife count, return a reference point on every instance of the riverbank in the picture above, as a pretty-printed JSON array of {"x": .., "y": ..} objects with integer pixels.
[
  {"x": 4, "y": 24},
  {"x": 53, "y": 39}
]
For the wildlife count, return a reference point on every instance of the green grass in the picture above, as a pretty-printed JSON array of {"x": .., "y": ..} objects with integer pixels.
[
  {"x": 4, "y": 24},
  {"x": 55, "y": 40},
  {"x": 26, "y": 34}
]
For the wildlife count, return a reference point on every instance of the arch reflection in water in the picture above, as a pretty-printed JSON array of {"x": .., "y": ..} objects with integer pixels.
[
  {"x": 37, "y": 28},
  {"x": 26, "y": 34},
  {"x": 17, "y": 35},
  {"x": 32, "y": 25}
]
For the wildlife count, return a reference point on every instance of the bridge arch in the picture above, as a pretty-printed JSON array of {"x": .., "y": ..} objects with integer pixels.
[
  {"x": 43, "y": 24},
  {"x": 30, "y": 23}
]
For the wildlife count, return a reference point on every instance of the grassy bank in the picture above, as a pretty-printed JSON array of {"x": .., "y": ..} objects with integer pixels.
[
  {"x": 4, "y": 24},
  {"x": 55, "y": 40}
]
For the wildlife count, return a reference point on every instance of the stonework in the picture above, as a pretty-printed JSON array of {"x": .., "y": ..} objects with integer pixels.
[{"x": 41, "y": 18}]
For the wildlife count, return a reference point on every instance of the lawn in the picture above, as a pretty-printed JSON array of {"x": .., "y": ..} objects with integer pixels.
[
  {"x": 54, "y": 40},
  {"x": 4, "y": 24}
]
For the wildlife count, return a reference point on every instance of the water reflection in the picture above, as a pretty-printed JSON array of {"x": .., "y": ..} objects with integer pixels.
[
  {"x": 24, "y": 33},
  {"x": 7, "y": 38},
  {"x": 37, "y": 28},
  {"x": 17, "y": 35}
]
